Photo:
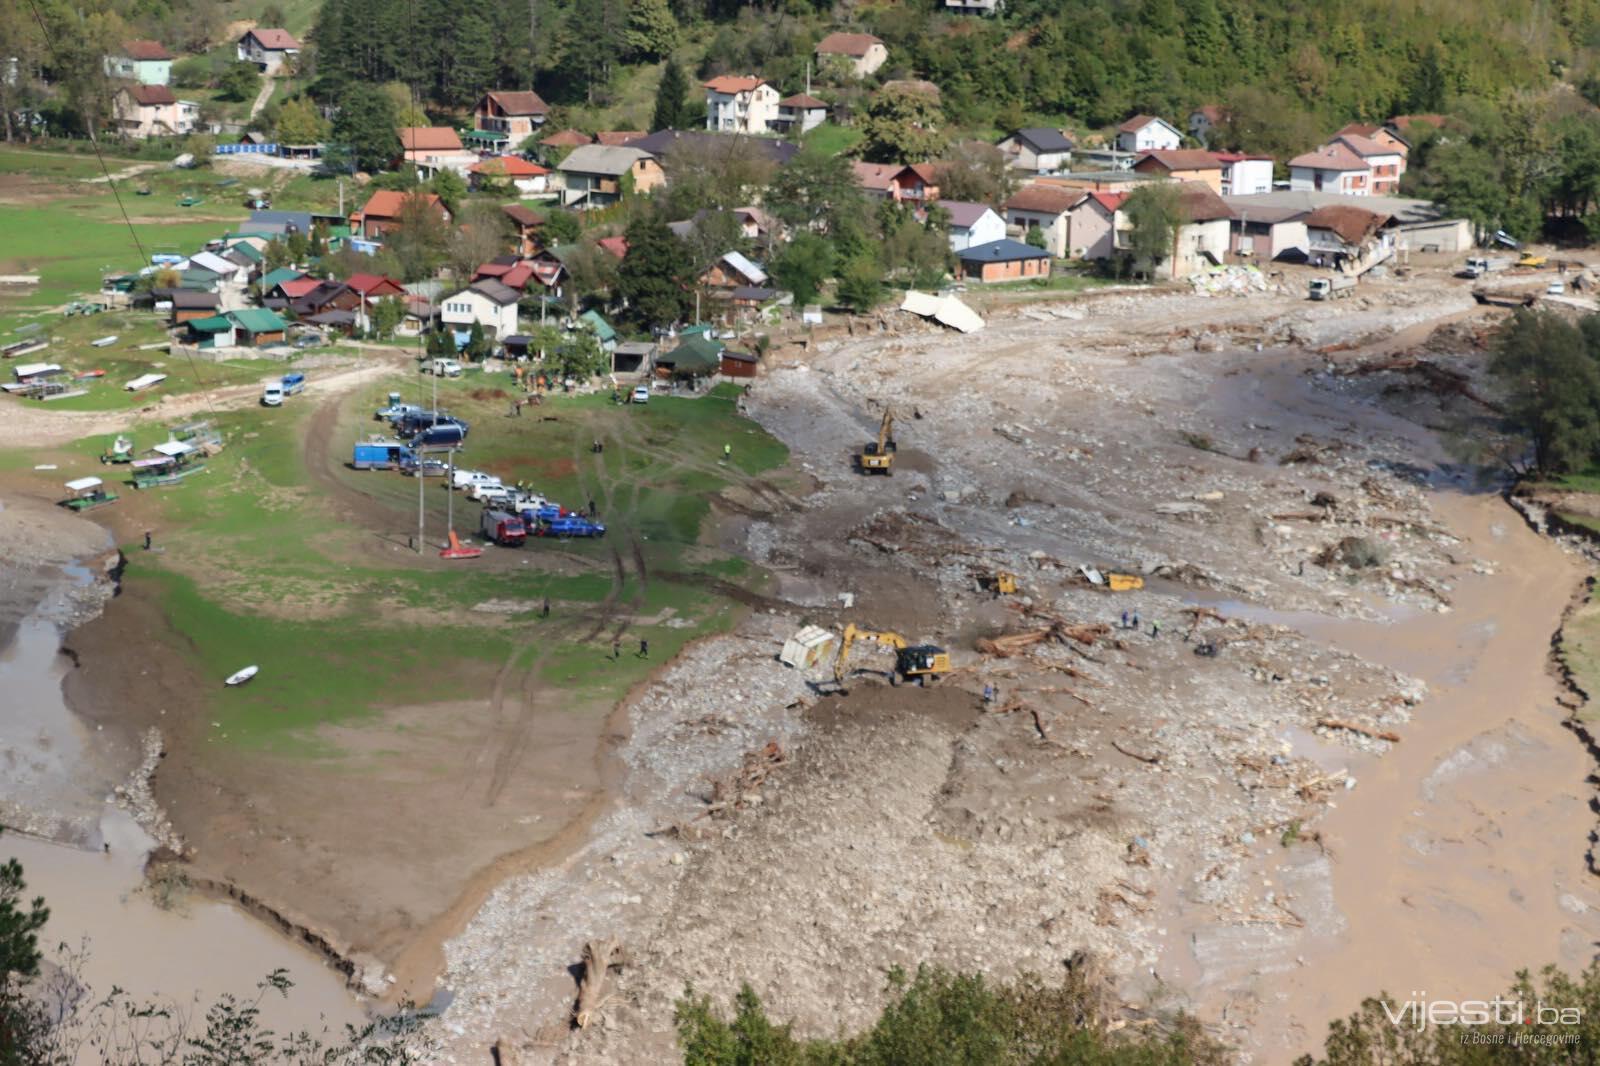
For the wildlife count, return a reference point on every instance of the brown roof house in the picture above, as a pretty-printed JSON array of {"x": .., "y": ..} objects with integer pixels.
[
  {"x": 508, "y": 118},
  {"x": 382, "y": 212},
  {"x": 859, "y": 53},
  {"x": 526, "y": 222},
  {"x": 597, "y": 174},
  {"x": 1043, "y": 207},
  {"x": 1203, "y": 238},
  {"x": 434, "y": 148},
  {"x": 1183, "y": 164},
  {"x": 268, "y": 49},
  {"x": 741, "y": 104},
  {"x": 799, "y": 113},
  {"x": 1349, "y": 239},
  {"x": 145, "y": 62},
  {"x": 142, "y": 111}
]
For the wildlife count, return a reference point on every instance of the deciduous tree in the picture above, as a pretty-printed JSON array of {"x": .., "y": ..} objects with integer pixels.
[
  {"x": 654, "y": 278},
  {"x": 366, "y": 126},
  {"x": 902, "y": 126}
]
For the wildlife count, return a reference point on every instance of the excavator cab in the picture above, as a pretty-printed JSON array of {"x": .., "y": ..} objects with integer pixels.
[{"x": 923, "y": 662}]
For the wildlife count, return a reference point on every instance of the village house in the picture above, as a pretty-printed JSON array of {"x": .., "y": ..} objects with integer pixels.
[
  {"x": 861, "y": 53},
  {"x": 256, "y": 327},
  {"x": 1393, "y": 139},
  {"x": 567, "y": 138},
  {"x": 281, "y": 294},
  {"x": 1203, "y": 120},
  {"x": 1266, "y": 232},
  {"x": 1038, "y": 149},
  {"x": 329, "y": 295},
  {"x": 1203, "y": 238},
  {"x": 1349, "y": 239},
  {"x": 374, "y": 288},
  {"x": 142, "y": 111},
  {"x": 1245, "y": 175},
  {"x": 191, "y": 305},
  {"x": 506, "y": 119},
  {"x": 1092, "y": 225},
  {"x": 489, "y": 303},
  {"x": 268, "y": 49},
  {"x": 1331, "y": 168},
  {"x": 799, "y": 114},
  {"x": 382, "y": 212},
  {"x": 145, "y": 62},
  {"x": 972, "y": 224},
  {"x": 1042, "y": 207},
  {"x": 669, "y": 145},
  {"x": 1183, "y": 164},
  {"x": 525, "y": 222},
  {"x": 1147, "y": 133},
  {"x": 529, "y": 179},
  {"x": 595, "y": 175},
  {"x": 1002, "y": 260},
  {"x": 745, "y": 104},
  {"x": 732, "y": 271},
  {"x": 916, "y": 183},
  {"x": 1385, "y": 160},
  {"x": 615, "y": 138},
  {"x": 974, "y": 7},
  {"x": 434, "y": 148}
]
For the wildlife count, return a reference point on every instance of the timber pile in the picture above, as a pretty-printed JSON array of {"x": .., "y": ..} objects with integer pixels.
[
  {"x": 1055, "y": 629},
  {"x": 742, "y": 788},
  {"x": 599, "y": 959}
]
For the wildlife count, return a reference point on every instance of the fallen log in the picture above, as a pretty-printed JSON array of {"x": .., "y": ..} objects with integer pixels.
[
  {"x": 1375, "y": 734},
  {"x": 599, "y": 959},
  {"x": 1152, "y": 760}
]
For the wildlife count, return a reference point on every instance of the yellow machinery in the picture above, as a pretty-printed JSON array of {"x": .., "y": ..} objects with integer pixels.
[
  {"x": 924, "y": 662},
  {"x": 1124, "y": 582},
  {"x": 877, "y": 457},
  {"x": 1530, "y": 260},
  {"x": 1005, "y": 583}
]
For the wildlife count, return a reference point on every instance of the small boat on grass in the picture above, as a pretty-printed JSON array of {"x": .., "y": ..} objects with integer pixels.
[
  {"x": 174, "y": 460},
  {"x": 87, "y": 493},
  {"x": 240, "y": 677}
]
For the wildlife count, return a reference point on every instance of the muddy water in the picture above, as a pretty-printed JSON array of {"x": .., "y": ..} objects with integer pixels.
[
  {"x": 58, "y": 777},
  {"x": 1459, "y": 858}
]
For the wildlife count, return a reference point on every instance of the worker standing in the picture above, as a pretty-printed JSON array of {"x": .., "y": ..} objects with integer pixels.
[
  {"x": 644, "y": 649},
  {"x": 727, "y": 452},
  {"x": 1124, "y": 619},
  {"x": 1155, "y": 629},
  {"x": 616, "y": 649},
  {"x": 988, "y": 694},
  {"x": 1135, "y": 619}
]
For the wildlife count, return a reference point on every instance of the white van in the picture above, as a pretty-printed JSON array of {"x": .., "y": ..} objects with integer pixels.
[
  {"x": 445, "y": 368},
  {"x": 272, "y": 395},
  {"x": 471, "y": 479}
]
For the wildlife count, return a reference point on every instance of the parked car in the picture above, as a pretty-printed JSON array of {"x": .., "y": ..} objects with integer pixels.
[
  {"x": 466, "y": 479},
  {"x": 573, "y": 526},
  {"x": 396, "y": 411},
  {"x": 445, "y": 368},
  {"x": 495, "y": 493},
  {"x": 425, "y": 468},
  {"x": 641, "y": 394},
  {"x": 1556, "y": 288},
  {"x": 310, "y": 340}
]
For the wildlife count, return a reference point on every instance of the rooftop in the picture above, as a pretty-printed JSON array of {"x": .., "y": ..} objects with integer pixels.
[
  {"x": 430, "y": 139},
  {"x": 1001, "y": 251},
  {"x": 1181, "y": 159},
  {"x": 1330, "y": 157},
  {"x": 847, "y": 44},
  {"x": 1044, "y": 139},
  {"x": 732, "y": 84},
  {"x": 1047, "y": 199},
  {"x": 275, "y": 39},
  {"x": 145, "y": 50},
  {"x": 612, "y": 160},
  {"x": 518, "y": 103},
  {"x": 964, "y": 213}
]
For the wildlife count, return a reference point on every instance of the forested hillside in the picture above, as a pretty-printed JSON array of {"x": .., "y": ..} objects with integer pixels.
[{"x": 1090, "y": 62}]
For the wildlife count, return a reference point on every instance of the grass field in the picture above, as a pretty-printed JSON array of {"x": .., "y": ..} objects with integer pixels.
[
  {"x": 255, "y": 566},
  {"x": 832, "y": 140}
]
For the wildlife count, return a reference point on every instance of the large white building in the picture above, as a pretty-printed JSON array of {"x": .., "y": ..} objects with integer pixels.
[
  {"x": 1147, "y": 133},
  {"x": 488, "y": 303},
  {"x": 741, "y": 104}
]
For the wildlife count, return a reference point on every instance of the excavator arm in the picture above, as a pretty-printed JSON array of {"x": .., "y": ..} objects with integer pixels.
[{"x": 841, "y": 665}]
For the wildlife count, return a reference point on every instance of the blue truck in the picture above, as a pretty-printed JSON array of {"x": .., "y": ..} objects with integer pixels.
[
  {"x": 381, "y": 455},
  {"x": 572, "y": 525}
]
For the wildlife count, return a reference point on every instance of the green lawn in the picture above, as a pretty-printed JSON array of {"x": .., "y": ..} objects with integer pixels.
[
  {"x": 257, "y": 568},
  {"x": 56, "y": 167},
  {"x": 832, "y": 139}
]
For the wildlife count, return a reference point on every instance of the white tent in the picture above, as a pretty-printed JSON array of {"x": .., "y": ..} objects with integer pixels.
[
  {"x": 173, "y": 448},
  {"x": 946, "y": 310}
]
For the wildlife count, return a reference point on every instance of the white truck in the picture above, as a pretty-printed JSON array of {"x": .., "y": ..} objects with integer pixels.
[
  {"x": 1478, "y": 265},
  {"x": 1331, "y": 288}
]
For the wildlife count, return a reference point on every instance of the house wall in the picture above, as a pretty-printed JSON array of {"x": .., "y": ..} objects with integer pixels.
[
  {"x": 876, "y": 56},
  {"x": 160, "y": 120},
  {"x": 737, "y": 368},
  {"x": 1348, "y": 182},
  {"x": 1054, "y": 226},
  {"x": 750, "y": 112},
  {"x": 269, "y": 60},
  {"x": 989, "y": 227},
  {"x": 801, "y": 120},
  {"x": 1248, "y": 176},
  {"x": 1024, "y": 157},
  {"x": 1211, "y": 177},
  {"x": 1386, "y": 171},
  {"x": 1153, "y": 137},
  {"x": 1196, "y": 239},
  {"x": 1017, "y": 270},
  {"x": 973, "y": 7},
  {"x": 143, "y": 71},
  {"x": 1089, "y": 232},
  {"x": 1267, "y": 241},
  {"x": 517, "y": 127},
  {"x": 467, "y": 307},
  {"x": 1446, "y": 235}
]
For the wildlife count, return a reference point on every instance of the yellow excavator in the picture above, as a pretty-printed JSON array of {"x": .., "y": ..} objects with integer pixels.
[
  {"x": 923, "y": 662},
  {"x": 877, "y": 457}
]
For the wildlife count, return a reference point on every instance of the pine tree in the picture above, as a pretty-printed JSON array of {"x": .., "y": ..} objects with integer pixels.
[
  {"x": 471, "y": 59},
  {"x": 366, "y": 126},
  {"x": 672, "y": 97}
]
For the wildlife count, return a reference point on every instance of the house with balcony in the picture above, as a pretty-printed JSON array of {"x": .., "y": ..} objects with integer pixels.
[
  {"x": 1182, "y": 164},
  {"x": 974, "y": 7},
  {"x": 596, "y": 175},
  {"x": 917, "y": 183},
  {"x": 434, "y": 148},
  {"x": 1386, "y": 161},
  {"x": 382, "y": 214},
  {"x": 142, "y": 111},
  {"x": 1351, "y": 240},
  {"x": 799, "y": 114},
  {"x": 1042, "y": 207},
  {"x": 489, "y": 303},
  {"x": 505, "y": 119},
  {"x": 1331, "y": 168},
  {"x": 741, "y": 104},
  {"x": 268, "y": 49},
  {"x": 145, "y": 62}
]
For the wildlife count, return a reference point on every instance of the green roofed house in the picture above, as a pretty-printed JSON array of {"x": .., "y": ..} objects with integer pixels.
[
  {"x": 602, "y": 329},
  {"x": 214, "y": 332},
  {"x": 257, "y": 326},
  {"x": 696, "y": 356},
  {"x": 278, "y": 276}
]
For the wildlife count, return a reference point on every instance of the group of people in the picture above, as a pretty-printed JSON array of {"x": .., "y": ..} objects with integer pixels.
[{"x": 1131, "y": 621}]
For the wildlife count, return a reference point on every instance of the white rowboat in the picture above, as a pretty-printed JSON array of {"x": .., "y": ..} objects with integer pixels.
[{"x": 242, "y": 676}]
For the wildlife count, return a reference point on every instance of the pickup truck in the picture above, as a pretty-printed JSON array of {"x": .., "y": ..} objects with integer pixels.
[
  {"x": 395, "y": 411},
  {"x": 572, "y": 526}
]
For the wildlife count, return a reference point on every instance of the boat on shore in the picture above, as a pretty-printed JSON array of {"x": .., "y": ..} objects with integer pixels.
[{"x": 174, "y": 460}]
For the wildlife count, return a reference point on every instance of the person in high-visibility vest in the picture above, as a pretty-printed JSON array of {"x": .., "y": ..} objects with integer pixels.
[{"x": 727, "y": 452}]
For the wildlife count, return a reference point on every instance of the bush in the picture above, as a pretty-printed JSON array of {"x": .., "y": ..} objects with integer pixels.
[{"x": 191, "y": 72}]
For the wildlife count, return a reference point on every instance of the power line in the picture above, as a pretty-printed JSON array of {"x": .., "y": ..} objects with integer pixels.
[{"x": 144, "y": 257}]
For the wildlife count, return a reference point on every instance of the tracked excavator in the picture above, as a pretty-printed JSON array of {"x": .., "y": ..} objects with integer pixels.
[
  {"x": 877, "y": 457},
  {"x": 921, "y": 662}
]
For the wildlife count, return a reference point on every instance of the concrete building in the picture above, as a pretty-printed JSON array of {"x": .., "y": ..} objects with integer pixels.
[
  {"x": 1147, "y": 133},
  {"x": 488, "y": 303},
  {"x": 145, "y": 62},
  {"x": 861, "y": 53},
  {"x": 1092, "y": 225},
  {"x": 746, "y": 104},
  {"x": 268, "y": 49},
  {"x": 509, "y": 118},
  {"x": 1038, "y": 149},
  {"x": 1331, "y": 168},
  {"x": 595, "y": 174},
  {"x": 972, "y": 224},
  {"x": 1043, "y": 207},
  {"x": 1245, "y": 175},
  {"x": 799, "y": 114},
  {"x": 1002, "y": 260},
  {"x": 142, "y": 111},
  {"x": 1183, "y": 164}
]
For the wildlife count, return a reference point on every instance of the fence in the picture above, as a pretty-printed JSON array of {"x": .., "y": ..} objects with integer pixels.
[{"x": 247, "y": 149}]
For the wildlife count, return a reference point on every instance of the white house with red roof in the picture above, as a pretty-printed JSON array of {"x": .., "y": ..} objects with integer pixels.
[
  {"x": 1387, "y": 161},
  {"x": 1147, "y": 133},
  {"x": 740, "y": 104},
  {"x": 1331, "y": 168},
  {"x": 268, "y": 49},
  {"x": 529, "y": 179},
  {"x": 1244, "y": 175}
]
